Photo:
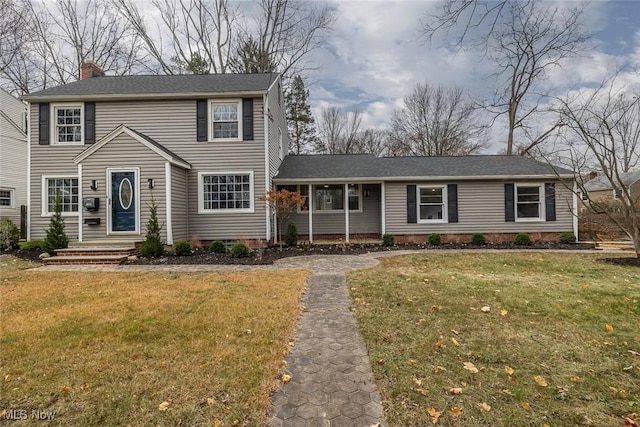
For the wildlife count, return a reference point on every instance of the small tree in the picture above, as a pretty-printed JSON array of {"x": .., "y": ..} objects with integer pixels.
[
  {"x": 152, "y": 244},
  {"x": 283, "y": 202},
  {"x": 56, "y": 237}
]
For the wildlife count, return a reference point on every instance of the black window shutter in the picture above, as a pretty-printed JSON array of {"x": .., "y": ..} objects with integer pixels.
[
  {"x": 509, "y": 204},
  {"x": 201, "y": 120},
  {"x": 247, "y": 119},
  {"x": 43, "y": 124},
  {"x": 550, "y": 201},
  {"x": 89, "y": 122},
  {"x": 452, "y": 202},
  {"x": 412, "y": 211}
]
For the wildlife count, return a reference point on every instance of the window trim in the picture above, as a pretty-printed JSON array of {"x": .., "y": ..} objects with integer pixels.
[
  {"x": 211, "y": 103},
  {"x": 445, "y": 205},
  {"x": 202, "y": 210},
  {"x": 541, "y": 202},
  {"x": 325, "y": 211},
  {"x": 12, "y": 198},
  {"x": 44, "y": 200},
  {"x": 53, "y": 122}
]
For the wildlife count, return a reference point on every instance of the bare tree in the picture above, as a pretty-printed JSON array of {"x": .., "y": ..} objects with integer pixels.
[
  {"x": 525, "y": 40},
  {"x": 436, "y": 121},
  {"x": 339, "y": 131},
  {"x": 14, "y": 31},
  {"x": 602, "y": 132},
  {"x": 66, "y": 33},
  {"x": 375, "y": 141}
]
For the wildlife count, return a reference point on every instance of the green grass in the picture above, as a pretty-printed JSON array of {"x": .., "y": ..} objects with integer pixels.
[
  {"x": 111, "y": 348},
  {"x": 422, "y": 319}
]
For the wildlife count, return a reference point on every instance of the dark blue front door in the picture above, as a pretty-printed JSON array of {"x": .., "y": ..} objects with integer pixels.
[{"x": 123, "y": 201}]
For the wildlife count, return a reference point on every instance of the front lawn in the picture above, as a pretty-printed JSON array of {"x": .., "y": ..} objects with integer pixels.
[
  {"x": 144, "y": 348},
  {"x": 529, "y": 339}
]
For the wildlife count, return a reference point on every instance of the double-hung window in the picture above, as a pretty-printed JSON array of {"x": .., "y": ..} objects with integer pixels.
[
  {"x": 330, "y": 197},
  {"x": 226, "y": 120},
  {"x": 529, "y": 202},
  {"x": 225, "y": 192},
  {"x": 432, "y": 203},
  {"x": 67, "y": 124},
  {"x": 65, "y": 189},
  {"x": 6, "y": 198}
]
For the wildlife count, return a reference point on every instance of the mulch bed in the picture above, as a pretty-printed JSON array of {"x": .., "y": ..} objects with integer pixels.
[{"x": 269, "y": 255}]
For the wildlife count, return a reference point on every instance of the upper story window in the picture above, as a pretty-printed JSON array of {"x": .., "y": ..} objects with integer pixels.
[
  {"x": 226, "y": 120},
  {"x": 66, "y": 188},
  {"x": 6, "y": 198},
  {"x": 432, "y": 203},
  {"x": 529, "y": 206},
  {"x": 67, "y": 124}
]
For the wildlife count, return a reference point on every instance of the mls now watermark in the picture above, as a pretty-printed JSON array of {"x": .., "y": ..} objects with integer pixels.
[{"x": 27, "y": 414}]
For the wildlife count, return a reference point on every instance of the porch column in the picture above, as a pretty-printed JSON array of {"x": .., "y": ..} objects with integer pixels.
[
  {"x": 310, "y": 214},
  {"x": 80, "y": 207},
  {"x": 383, "y": 208},
  {"x": 167, "y": 198},
  {"x": 346, "y": 213}
]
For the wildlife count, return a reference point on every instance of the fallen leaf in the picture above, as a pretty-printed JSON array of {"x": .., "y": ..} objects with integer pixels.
[
  {"x": 635, "y": 353},
  {"x": 422, "y": 392},
  {"x": 595, "y": 342},
  {"x": 591, "y": 372},
  {"x": 540, "y": 381},
  {"x": 525, "y": 405},
  {"x": 380, "y": 362},
  {"x": 436, "y": 307},
  {"x": 574, "y": 379},
  {"x": 470, "y": 367},
  {"x": 455, "y": 411},
  {"x": 455, "y": 342},
  {"x": 546, "y": 425},
  {"x": 608, "y": 328},
  {"x": 163, "y": 406},
  {"x": 456, "y": 390},
  {"x": 434, "y": 414},
  {"x": 584, "y": 286},
  {"x": 622, "y": 394},
  {"x": 286, "y": 378},
  {"x": 226, "y": 409},
  {"x": 439, "y": 344},
  {"x": 455, "y": 332},
  {"x": 65, "y": 389},
  {"x": 411, "y": 362},
  {"x": 418, "y": 380},
  {"x": 484, "y": 406},
  {"x": 217, "y": 423},
  {"x": 631, "y": 420},
  {"x": 509, "y": 370},
  {"x": 503, "y": 312},
  {"x": 7, "y": 378},
  {"x": 439, "y": 369},
  {"x": 485, "y": 309}
]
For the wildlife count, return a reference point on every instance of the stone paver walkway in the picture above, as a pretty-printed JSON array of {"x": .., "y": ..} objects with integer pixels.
[{"x": 331, "y": 381}]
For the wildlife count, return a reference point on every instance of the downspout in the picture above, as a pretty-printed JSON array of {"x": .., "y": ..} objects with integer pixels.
[
  {"x": 29, "y": 171},
  {"x": 267, "y": 162}
]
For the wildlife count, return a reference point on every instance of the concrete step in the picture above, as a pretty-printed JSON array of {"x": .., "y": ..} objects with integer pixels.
[
  {"x": 91, "y": 251},
  {"x": 623, "y": 245},
  {"x": 85, "y": 259}
]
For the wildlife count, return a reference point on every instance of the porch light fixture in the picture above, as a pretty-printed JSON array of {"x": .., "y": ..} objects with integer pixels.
[
  {"x": 366, "y": 192},
  {"x": 151, "y": 183},
  {"x": 94, "y": 185}
]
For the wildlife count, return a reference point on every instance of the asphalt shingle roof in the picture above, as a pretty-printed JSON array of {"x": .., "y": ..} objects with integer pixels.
[
  {"x": 159, "y": 85},
  {"x": 366, "y": 166},
  {"x": 601, "y": 182}
]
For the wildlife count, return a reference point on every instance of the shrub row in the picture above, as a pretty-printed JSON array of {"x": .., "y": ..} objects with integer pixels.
[{"x": 478, "y": 239}]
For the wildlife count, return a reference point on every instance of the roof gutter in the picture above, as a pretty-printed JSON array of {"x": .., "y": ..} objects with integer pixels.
[
  {"x": 139, "y": 96},
  {"x": 312, "y": 180}
]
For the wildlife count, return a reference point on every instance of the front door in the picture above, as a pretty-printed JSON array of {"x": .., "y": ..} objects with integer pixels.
[{"x": 123, "y": 201}]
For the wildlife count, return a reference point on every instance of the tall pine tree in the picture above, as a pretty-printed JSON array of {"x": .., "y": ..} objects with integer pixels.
[{"x": 302, "y": 130}]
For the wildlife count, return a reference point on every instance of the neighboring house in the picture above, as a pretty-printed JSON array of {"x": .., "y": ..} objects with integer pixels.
[
  {"x": 412, "y": 197},
  {"x": 13, "y": 156},
  {"x": 203, "y": 148},
  {"x": 600, "y": 189}
]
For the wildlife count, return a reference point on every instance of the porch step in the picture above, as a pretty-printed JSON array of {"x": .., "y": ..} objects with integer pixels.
[
  {"x": 623, "y": 245},
  {"x": 111, "y": 252},
  {"x": 85, "y": 259}
]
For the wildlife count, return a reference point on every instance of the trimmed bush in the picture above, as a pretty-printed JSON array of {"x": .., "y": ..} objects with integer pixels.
[
  {"x": 56, "y": 237},
  {"x": 218, "y": 247},
  {"x": 435, "y": 239},
  {"x": 9, "y": 234},
  {"x": 388, "y": 239},
  {"x": 239, "y": 250},
  {"x": 32, "y": 245},
  {"x": 478, "y": 239},
  {"x": 522, "y": 239},
  {"x": 182, "y": 248},
  {"x": 152, "y": 245},
  {"x": 568, "y": 238},
  {"x": 291, "y": 238}
]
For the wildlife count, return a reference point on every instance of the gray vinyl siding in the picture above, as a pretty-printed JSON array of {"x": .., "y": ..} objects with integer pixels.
[
  {"x": 367, "y": 221},
  {"x": 480, "y": 210},
  {"x": 277, "y": 120},
  {"x": 173, "y": 124},
  {"x": 179, "y": 203},
  {"x": 13, "y": 154},
  {"x": 132, "y": 155}
]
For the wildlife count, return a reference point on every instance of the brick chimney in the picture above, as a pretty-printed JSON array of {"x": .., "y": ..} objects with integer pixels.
[{"x": 90, "y": 69}]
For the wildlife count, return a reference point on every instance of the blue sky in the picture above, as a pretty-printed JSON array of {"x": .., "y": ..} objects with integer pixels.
[{"x": 374, "y": 57}]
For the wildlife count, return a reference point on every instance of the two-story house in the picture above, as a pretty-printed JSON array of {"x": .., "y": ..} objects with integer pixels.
[
  {"x": 206, "y": 148},
  {"x": 203, "y": 148},
  {"x": 13, "y": 157}
]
